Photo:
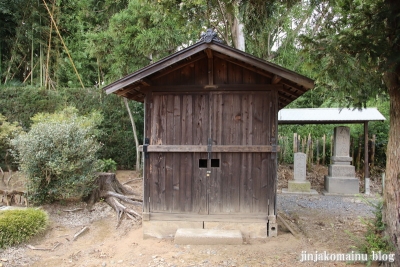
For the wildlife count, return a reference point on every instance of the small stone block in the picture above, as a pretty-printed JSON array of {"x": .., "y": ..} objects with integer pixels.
[
  {"x": 272, "y": 229},
  {"x": 207, "y": 237},
  {"x": 299, "y": 186}
]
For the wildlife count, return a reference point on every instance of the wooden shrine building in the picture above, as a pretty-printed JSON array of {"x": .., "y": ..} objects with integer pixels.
[{"x": 211, "y": 118}]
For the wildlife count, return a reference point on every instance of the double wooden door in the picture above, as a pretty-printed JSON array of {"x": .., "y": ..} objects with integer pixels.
[{"x": 212, "y": 152}]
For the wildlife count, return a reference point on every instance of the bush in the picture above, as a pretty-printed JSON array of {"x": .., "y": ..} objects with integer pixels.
[
  {"x": 17, "y": 226},
  {"x": 375, "y": 239},
  {"x": 109, "y": 165},
  {"x": 59, "y": 155}
]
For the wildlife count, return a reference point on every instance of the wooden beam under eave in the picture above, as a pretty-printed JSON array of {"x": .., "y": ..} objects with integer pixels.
[
  {"x": 210, "y": 67},
  {"x": 287, "y": 90},
  {"x": 174, "y": 68},
  {"x": 209, "y": 53},
  {"x": 276, "y": 79}
]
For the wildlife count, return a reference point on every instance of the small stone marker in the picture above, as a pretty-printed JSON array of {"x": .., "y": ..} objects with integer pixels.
[
  {"x": 300, "y": 183},
  {"x": 341, "y": 175}
]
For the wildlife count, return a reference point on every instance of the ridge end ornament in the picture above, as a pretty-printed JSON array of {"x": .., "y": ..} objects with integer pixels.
[{"x": 210, "y": 36}]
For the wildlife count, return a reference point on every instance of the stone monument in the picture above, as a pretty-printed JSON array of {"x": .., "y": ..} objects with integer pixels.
[
  {"x": 341, "y": 175},
  {"x": 300, "y": 183}
]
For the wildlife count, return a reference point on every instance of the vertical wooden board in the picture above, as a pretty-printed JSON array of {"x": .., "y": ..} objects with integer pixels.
[
  {"x": 169, "y": 157},
  {"x": 182, "y": 181},
  {"x": 169, "y": 119},
  {"x": 273, "y": 156},
  {"x": 169, "y": 190},
  {"x": 188, "y": 176},
  {"x": 185, "y": 75},
  {"x": 234, "y": 183},
  {"x": 235, "y": 73},
  {"x": 256, "y": 176},
  {"x": 155, "y": 120},
  {"x": 220, "y": 71},
  {"x": 176, "y": 156},
  {"x": 224, "y": 186},
  {"x": 157, "y": 182},
  {"x": 146, "y": 167},
  {"x": 214, "y": 186},
  {"x": 201, "y": 119},
  {"x": 201, "y": 72},
  {"x": 216, "y": 118},
  {"x": 266, "y": 117},
  {"x": 249, "y": 77},
  {"x": 199, "y": 185},
  {"x": 187, "y": 126},
  {"x": 272, "y": 183},
  {"x": 188, "y": 140},
  {"x": 258, "y": 111},
  {"x": 249, "y": 187},
  {"x": 243, "y": 194},
  {"x": 235, "y": 114},
  {"x": 266, "y": 175}
]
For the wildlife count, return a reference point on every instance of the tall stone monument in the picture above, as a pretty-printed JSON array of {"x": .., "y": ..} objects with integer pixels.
[
  {"x": 341, "y": 175},
  {"x": 299, "y": 185}
]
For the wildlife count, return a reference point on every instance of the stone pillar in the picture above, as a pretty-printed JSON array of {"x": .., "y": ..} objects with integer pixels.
[
  {"x": 300, "y": 183},
  {"x": 341, "y": 175}
]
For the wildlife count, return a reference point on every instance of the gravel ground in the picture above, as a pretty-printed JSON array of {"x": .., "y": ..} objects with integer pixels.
[{"x": 338, "y": 205}]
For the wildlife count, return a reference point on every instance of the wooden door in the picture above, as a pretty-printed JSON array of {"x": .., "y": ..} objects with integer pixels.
[
  {"x": 176, "y": 182},
  {"x": 241, "y": 181},
  {"x": 215, "y": 176}
]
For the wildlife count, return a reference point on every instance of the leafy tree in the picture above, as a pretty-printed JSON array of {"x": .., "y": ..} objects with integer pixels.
[
  {"x": 7, "y": 132},
  {"x": 357, "y": 54},
  {"x": 59, "y": 155}
]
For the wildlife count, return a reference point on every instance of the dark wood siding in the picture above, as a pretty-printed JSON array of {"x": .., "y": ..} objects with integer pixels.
[{"x": 241, "y": 183}]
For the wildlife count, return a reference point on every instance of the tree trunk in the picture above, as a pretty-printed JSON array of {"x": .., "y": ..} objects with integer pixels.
[
  {"x": 137, "y": 167},
  {"x": 113, "y": 192},
  {"x": 238, "y": 34},
  {"x": 391, "y": 211}
]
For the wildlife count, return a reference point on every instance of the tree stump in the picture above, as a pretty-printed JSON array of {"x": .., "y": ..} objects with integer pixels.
[{"x": 113, "y": 192}]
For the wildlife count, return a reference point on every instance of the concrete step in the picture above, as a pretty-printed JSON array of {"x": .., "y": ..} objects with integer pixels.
[{"x": 198, "y": 236}]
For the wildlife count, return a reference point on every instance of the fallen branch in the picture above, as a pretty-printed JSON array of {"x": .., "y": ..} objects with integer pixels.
[
  {"x": 44, "y": 249},
  {"x": 73, "y": 210},
  {"x": 294, "y": 233},
  {"x": 83, "y": 230},
  {"x": 132, "y": 180},
  {"x": 128, "y": 199}
]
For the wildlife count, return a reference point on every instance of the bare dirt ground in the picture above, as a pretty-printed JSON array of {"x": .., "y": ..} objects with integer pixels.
[{"x": 320, "y": 229}]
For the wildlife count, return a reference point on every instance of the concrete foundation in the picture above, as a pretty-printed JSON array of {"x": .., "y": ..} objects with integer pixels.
[
  {"x": 341, "y": 185},
  {"x": 166, "y": 229},
  {"x": 248, "y": 230},
  {"x": 194, "y": 236}
]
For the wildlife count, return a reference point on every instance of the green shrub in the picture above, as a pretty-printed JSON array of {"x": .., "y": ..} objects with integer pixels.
[
  {"x": 375, "y": 239},
  {"x": 59, "y": 155},
  {"x": 17, "y": 226},
  {"x": 109, "y": 165}
]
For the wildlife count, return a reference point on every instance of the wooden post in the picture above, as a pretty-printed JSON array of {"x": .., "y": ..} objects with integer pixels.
[
  {"x": 331, "y": 148},
  {"x": 317, "y": 161},
  {"x": 359, "y": 153},
  {"x": 366, "y": 165},
  {"x": 373, "y": 141},
  {"x": 295, "y": 142},
  {"x": 323, "y": 149}
]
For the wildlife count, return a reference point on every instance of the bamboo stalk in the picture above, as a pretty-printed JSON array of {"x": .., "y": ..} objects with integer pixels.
[
  {"x": 323, "y": 149},
  {"x": 62, "y": 41},
  {"x": 359, "y": 153},
  {"x": 47, "y": 76},
  {"x": 373, "y": 141},
  {"x": 317, "y": 161}
]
